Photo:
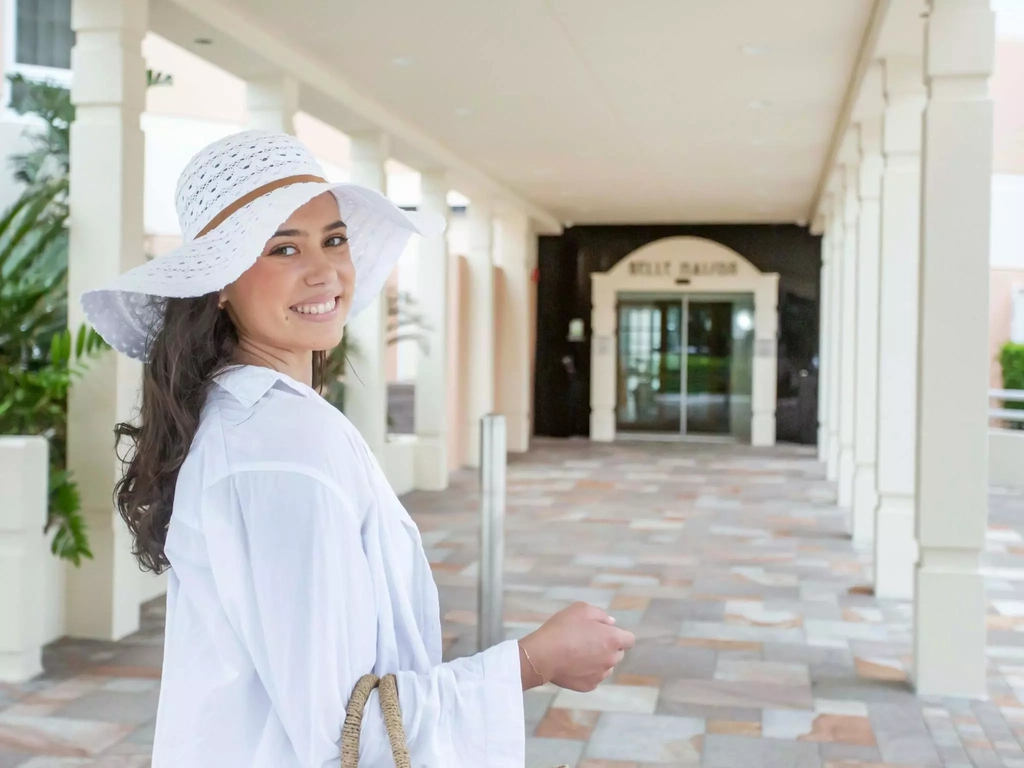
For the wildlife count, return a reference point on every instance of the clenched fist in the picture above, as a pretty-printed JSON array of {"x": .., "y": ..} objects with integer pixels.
[{"x": 577, "y": 648}]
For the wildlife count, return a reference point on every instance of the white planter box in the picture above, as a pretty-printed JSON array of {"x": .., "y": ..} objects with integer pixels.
[
  {"x": 25, "y": 561},
  {"x": 399, "y": 463}
]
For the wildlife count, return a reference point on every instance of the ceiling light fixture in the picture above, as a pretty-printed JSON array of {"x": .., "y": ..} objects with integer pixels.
[
  {"x": 758, "y": 104},
  {"x": 401, "y": 61},
  {"x": 754, "y": 50},
  {"x": 758, "y": 142},
  {"x": 463, "y": 111}
]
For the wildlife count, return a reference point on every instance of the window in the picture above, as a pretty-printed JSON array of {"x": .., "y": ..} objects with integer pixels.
[{"x": 42, "y": 33}]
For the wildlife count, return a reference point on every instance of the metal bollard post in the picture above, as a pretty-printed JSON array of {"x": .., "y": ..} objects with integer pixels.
[{"x": 490, "y": 603}]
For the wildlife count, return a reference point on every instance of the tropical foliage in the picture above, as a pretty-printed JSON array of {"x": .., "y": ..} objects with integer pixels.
[{"x": 39, "y": 357}]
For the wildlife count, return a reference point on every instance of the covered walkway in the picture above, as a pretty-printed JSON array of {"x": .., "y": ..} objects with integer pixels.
[{"x": 759, "y": 641}]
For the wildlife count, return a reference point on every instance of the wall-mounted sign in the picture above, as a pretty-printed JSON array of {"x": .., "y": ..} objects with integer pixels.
[
  {"x": 683, "y": 269},
  {"x": 577, "y": 329}
]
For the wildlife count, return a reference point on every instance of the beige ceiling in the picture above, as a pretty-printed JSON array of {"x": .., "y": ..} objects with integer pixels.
[{"x": 602, "y": 111}]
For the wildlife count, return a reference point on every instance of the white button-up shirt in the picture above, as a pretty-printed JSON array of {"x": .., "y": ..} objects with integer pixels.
[{"x": 294, "y": 571}]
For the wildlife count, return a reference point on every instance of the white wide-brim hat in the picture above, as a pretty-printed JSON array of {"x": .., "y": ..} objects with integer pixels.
[{"x": 231, "y": 198}]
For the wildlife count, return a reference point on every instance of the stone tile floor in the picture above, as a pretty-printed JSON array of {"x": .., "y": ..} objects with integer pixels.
[{"x": 759, "y": 644}]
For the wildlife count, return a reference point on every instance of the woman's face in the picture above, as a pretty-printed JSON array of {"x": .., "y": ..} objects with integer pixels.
[{"x": 297, "y": 295}]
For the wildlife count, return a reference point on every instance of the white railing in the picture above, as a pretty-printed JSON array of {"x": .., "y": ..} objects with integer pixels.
[
  {"x": 1005, "y": 443},
  {"x": 1006, "y": 396}
]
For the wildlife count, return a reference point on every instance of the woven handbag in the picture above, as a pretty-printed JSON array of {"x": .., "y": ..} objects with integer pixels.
[{"x": 388, "y": 686}]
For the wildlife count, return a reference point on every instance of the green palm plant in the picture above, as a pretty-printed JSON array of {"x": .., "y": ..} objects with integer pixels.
[{"x": 39, "y": 358}]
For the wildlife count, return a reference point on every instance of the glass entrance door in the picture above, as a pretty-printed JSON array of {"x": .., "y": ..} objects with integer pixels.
[
  {"x": 650, "y": 366},
  {"x": 708, "y": 367},
  {"x": 719, "y": 365},
  {"x": 685, "y": 365}
]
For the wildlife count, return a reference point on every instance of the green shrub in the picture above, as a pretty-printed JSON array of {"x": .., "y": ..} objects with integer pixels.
[
  {"x": 1011, "y": 359},
  {"x": 38, "y": 357}
]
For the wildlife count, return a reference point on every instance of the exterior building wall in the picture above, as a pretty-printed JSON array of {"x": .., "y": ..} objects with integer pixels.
[
  {"x": 1007, "y": 254},
  {"x": 1007, "y": 86},
  {"x": 1005, "y": 285}
]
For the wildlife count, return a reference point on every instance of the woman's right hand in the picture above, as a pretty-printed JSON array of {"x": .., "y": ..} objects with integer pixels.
[{"x": 577, "y": 648}]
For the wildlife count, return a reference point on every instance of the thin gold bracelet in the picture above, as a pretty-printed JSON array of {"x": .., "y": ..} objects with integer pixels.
[{"x": 532, "y": 665}]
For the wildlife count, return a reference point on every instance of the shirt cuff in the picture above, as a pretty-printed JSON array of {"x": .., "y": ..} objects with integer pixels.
[{"x": 503, "y": 706}]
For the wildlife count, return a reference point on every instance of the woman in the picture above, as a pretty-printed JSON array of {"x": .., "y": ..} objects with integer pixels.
[{"x": 294, "y": 569}]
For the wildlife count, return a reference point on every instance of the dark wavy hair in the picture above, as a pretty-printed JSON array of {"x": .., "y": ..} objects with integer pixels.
[{"x": 196, "y": 341}]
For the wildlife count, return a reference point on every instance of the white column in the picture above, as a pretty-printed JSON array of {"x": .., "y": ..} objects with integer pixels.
[
  {"x": 848, "y": 333},
  {"x": 366, "y": 382},
  {"x": 106, "y": 238},
  {"x": 272, "y": 103},
  {"x": 24, "y": 466},
  {"x": 895, "y": 545},
  {"x": 764, "y": 396},
  {"x": 515, "y": 383},
  {"x": 431, "y": 405},
  {"x": 953, "y": 350},
  {"x": 824, "y": 371},
  {"x": 603, "y": 359},
  {"x": 480, "y": 381},
  {"x": 837, "y": 243},
  {"x": 865, "y": 496}
]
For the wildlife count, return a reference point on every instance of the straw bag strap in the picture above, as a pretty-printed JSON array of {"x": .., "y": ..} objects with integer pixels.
[{"x": 388, "y": 693}]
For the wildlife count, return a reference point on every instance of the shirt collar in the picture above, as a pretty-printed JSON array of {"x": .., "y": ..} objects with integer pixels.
[{"x": 249, "y": 383}]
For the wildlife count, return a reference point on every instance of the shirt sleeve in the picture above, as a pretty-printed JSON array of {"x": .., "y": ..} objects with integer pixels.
[{"x": 288, "y": 561}]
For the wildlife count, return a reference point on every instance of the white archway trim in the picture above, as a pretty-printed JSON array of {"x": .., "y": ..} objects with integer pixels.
[{"x": 681, "y": 266}]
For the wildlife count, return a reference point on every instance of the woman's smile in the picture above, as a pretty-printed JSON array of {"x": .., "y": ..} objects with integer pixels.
[{"x": 319, "y": 309}]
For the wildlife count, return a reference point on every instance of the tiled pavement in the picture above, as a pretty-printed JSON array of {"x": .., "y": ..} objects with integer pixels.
[{"x": 759, "y": 645}]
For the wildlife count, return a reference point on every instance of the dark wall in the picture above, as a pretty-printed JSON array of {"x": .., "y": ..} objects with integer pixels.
[{"x": 562, "y": 397}]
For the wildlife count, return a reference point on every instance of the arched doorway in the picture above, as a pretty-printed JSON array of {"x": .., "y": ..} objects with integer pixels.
[{"x": 684, "y": 336}]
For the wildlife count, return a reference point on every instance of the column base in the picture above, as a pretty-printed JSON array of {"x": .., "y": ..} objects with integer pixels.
[
  {"x": 399, "y": 463},
  {"x": 431, "y": 463},
  {"x": 762, "y": 430},
  {"x": 602, "y": 425},
  {"x": 865, "y": 501},
  {"x": 895, "y": 547},
  {"x": 832, "y": 468},
  {"x": 949, "y": 625},
  {"x": 846, "y": 471},
  {"x": 517, "y": 430},
  {"x": 472, "y": 444}
]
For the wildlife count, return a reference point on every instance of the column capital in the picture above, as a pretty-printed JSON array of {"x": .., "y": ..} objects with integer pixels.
[
  {"x": 113, "y": 15},
  {"x": 370, "y": 145},
  {"x": 435, "y": 177},
  {"x": 960, "y": 42},
  {"x": 906, "y": 98},
  {"x": 904, "y": 77},
  {"x": 369, "y": 152},
  {"x": 272, "y": 102},
  {"x": 434, "y": 186},
  {"x": 480, "y": 206}
]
